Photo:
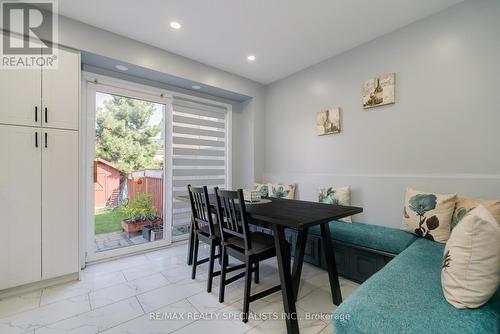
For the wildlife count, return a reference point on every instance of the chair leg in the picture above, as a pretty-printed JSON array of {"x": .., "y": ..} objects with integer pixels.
[
  {"x": 191, "y": 242},
  {"x": 219, "y": 246},
  {"x": 195, "y": 256},
  {"x": 211, "y": 261},
  {"x": 256, "y": 277},
  {"x": 248, "y": 283},
  {"x": 222, "y": 286}
]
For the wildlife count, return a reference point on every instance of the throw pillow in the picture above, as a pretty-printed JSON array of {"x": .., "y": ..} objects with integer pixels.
[
  {"x": 471, "y": 264},
  {"x": 282, "y": 191},
  {"x": 336, "y": 196},
  {"x": 465, "y": 205},
  {"x": 263, "y": 188},
  {"x": 428, "y": 215}
]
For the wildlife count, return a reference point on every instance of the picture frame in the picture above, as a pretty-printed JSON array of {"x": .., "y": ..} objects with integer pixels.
[
  {"x": 379, "y": 91},
  {"x": 328, "y": 121}
]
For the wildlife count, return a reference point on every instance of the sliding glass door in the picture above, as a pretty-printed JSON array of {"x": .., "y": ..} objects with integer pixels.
[
  {"x": 129, "y": 175},
  {"x": 143, "y": 149}
]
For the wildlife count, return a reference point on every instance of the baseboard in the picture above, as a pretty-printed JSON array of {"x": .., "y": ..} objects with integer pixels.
[{"x": 18, "y": 290}]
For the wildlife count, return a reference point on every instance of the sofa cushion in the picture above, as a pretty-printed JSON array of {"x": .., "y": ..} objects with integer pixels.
[
  {"x": 428, "y": 215},
  {"x": 263, "y": 188},
  {"x": 387, "y": 239},
  {"x": 278, "y": 190},
  {"x": 336, "y": 196},
  {"x": 465, "y": 205},
  {"x": 471, "y": 264},
  {"x": 406, "y": 297}
]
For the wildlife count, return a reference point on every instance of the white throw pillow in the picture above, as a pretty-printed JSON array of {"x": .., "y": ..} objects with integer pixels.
[
  {"x": 428, "y": 215},
  {"x": 336, "y": 196},
  {"x": 263, "y": 188},
  {"x": 465, "y": 205},
  {"x": 471, "y": 264},
  {"x": 282, "y": 190}
]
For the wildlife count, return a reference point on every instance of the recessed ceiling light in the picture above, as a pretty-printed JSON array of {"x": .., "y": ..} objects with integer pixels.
[
  {"x": 196, "y": 87},
  {"x": 121, "y": 67},
  {"x": 251, "y": 58},
  {"x": 175, "y": 25}
]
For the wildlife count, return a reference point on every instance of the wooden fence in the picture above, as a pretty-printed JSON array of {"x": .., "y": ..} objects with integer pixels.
[{"x": 148, "y": 185}]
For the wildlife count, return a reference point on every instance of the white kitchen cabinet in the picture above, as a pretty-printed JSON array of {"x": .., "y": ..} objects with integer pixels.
[
  {"x": 39, "y": 172},
  {"x": 20, "y": 205},
  {"x": 45, "y": 96},
  {"x": 20, "y": 96},
  {"x": 59, "y": 202},
  {"x": 60, "y": 92}
]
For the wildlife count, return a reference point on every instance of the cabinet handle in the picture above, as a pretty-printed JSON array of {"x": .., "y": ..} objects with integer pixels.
[
  {"x": 36, "y": 114},
  {"x": 46, "y": 143},
  {"x": 46, "y": 115},
  {"x": 36, "y": 138},
  {"x": 95, "y": 171}
]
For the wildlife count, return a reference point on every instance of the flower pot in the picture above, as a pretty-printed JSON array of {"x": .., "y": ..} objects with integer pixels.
[
  {"x": 146, "y": 232},
  {"x": 156, "y": 234},
  {"x": 130, "y": 226},
  {"x": 152, "y": 232}
]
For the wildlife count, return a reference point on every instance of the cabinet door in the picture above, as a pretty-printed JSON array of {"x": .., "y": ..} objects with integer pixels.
[
  {"x": 60, "y": 92},
  {"x": 20, "y": 206},
  {"x": 59, "y": 203},
  {"x": 20, "y": 94}
]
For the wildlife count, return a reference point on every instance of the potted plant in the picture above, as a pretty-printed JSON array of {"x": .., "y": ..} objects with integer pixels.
[{"x": 140, "y": 213}]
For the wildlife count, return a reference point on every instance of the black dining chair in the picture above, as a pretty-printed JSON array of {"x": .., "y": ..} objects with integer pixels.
[
  {"x": 238, "y": 242},
  {"x": 204, "y": 230}
]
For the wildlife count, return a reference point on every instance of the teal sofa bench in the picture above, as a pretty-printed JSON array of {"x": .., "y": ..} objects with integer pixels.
[
  {"x": 406, "y": 297},
  {"x": 360, "y": 249},
  {"x": 385, "y": 239}
]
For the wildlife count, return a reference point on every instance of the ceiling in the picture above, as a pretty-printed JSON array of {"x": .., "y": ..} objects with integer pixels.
[{"x": 284, "y": 35}]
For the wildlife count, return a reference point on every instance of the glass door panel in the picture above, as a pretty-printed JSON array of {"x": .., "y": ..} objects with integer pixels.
[{"x": 129, "y": 204}]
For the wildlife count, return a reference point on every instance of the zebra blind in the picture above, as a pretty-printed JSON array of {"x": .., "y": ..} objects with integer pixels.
[{"x": 199, "y": 135}]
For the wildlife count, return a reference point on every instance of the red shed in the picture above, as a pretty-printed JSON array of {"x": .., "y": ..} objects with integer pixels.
[{"x": 107, "y": 185}]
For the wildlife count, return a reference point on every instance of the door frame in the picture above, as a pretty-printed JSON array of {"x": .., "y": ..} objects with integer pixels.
[{"x": 135, "y": 91}]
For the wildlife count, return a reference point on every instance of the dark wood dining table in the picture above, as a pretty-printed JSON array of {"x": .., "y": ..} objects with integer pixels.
[{"x": 279, "y": 214}]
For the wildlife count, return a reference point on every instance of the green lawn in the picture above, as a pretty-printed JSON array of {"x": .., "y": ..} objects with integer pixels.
[{"x": 108, "y": 220}]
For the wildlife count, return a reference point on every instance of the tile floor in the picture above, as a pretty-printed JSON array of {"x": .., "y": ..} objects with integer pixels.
[{"x": 153, "y": 293}]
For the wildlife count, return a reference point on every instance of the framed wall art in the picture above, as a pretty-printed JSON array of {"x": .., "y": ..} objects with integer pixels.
[
  {"x": 379, "y": 91},
  {"x": 328, "y": 122}
]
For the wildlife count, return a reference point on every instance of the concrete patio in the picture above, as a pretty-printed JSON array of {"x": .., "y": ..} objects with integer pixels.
[{"x": 113, "y": 240}]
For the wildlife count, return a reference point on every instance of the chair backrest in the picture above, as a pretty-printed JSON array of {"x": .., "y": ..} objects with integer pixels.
[
  {"x": 231, "y": 215},
  {"x": 200, "y": 207}
]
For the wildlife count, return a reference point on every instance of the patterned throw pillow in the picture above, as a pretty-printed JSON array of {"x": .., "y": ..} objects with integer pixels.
[
  {"x": 336, "y": 196},
  {"x": 471, "y": 263},
  {"x": 282, "y": 190},
  {"x": 263, "y": 188},
  {"x": 428, "y": 215},
  {"x": 465, "y": 205}
]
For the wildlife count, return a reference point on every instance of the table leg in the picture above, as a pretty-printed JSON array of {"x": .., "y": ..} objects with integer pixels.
[
  {"x": 191, "y": 243},
  {"x": 330, "y": 263},
  {"x": 298, "y": 261},
  {"x": 283, "y": 257}
]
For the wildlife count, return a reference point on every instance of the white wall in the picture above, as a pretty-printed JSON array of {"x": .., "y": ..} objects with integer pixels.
[{"x": 441, "y": 135}]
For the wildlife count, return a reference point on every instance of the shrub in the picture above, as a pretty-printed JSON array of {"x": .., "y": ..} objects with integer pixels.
[{"x": 140, "y": 208}]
